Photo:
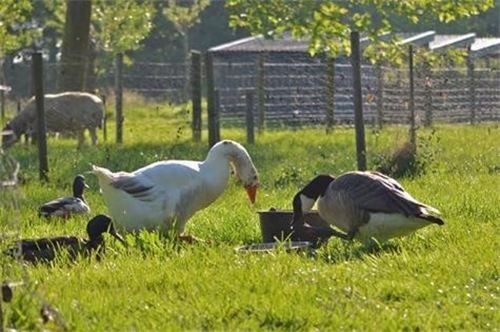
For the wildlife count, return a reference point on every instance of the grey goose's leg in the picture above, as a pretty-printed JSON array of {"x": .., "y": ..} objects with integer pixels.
[{"x": 348, "y": 237}]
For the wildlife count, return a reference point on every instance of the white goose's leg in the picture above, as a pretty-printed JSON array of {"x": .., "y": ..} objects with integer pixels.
[{"x": 179, "y": 227}]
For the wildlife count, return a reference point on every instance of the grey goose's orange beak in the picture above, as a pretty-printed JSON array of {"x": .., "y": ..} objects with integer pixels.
[{"x": 251, "y": 192}]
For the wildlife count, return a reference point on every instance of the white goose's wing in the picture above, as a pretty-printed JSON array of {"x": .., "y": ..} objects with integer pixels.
[
  {"x": 137, "y": 186},
  {"x": 375, "y": 192},
  {"x": 144, "y": 183},
  {"x": 172, "y": 173}
]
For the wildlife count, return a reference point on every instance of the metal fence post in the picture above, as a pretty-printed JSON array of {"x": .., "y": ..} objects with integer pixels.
[
  {"x": 330, "y": 94},
  {"x": 249, "y": 118},
  {"x": 380, "y": 96},
  {"x": 40, "y": 116},
  {"x": 411, "y": 104},
  {"x": 428, "y": 94},
  {"x": 261, "y": 91},
  {"x": 2, "y": 104},
  {"x": 119, "y": 97},
  {"x": 196, "y": 123},
  {"x": 211, "y": 102},
  {"x": 217, "y": 115},
  {"x": 358, "y": 102},
  {"x": 472, "y": 88}
]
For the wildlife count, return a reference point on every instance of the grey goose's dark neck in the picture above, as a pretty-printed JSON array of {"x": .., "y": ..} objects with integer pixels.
[{"x": 317, "y": 186}]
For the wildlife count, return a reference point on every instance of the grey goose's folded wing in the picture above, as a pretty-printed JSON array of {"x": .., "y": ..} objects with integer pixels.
[
  {"x": 375, "y": 192},
  {"x": 136, "y": 185}
]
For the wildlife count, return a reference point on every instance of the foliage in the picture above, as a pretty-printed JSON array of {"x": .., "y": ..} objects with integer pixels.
[
  {"x": 121, "y": 25},
  {"x": 328, "y": 24},
  {"x": 14, "y": 25},
  {"x": 184, "y": 14},
  {"x": 115, "y": 26}
]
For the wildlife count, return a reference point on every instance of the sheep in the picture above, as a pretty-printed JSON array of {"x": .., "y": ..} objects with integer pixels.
[{"x": 68, "y": 112}]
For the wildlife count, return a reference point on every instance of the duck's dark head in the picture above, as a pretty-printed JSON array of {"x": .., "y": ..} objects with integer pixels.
[
  {"x": 79, "y": 186},
  {"x": 305, "y": 199},
  {"x": 97, "y": 226}
]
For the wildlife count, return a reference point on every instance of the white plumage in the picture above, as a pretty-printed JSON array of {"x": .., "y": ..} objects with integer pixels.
[{"x": 170, "y": 192}]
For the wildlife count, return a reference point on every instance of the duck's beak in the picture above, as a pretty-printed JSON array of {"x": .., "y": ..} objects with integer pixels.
[
  {"x": 251, "y": 192},
  {"x": 86, "y": 185}
]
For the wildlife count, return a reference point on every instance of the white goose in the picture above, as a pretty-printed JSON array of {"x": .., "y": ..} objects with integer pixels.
[
  {"x": 170, "y": 192},
  {"x": 364, "y": 205}
]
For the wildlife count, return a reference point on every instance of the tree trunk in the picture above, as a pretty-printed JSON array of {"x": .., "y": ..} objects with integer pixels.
[{"x": 75, "y": 46}]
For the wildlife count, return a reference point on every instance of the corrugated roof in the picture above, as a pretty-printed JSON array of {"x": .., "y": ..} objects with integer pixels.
[
  {"x": 478, "y": 46},
  {"x": 444, "y": 41},
  {"x": 485, "y": 46}
]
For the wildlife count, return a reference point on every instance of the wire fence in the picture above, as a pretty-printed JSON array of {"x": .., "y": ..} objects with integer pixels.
[
  {"x": 169, "y": 81},
  {"x": 295, "y": 88}
]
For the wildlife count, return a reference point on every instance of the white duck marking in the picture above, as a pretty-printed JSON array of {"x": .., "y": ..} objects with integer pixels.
[
  {"x": 170, "y": 192},
  {"x": 66, "y": 206}
]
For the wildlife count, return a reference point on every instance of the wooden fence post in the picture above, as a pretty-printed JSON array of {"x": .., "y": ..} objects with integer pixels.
[
  {"x": 330, "y": 94},
  {"x": 104, "y": 120},
  {"x": 261, "y": 96},
  {"x": 119, "y": 97},
  {"x": 380, "y": 96},
  {"x": 411, "y": 104},
  {"x": 358, "y": 102},
  {"x": 196, "y": 123},
  {"x": 428, "y": 94},
  {"x": 249, "y": 118},
  {"x": 472, "y": 88},
  {"x": 40, "y": 116},
  {"x": 211, "y": 106}
]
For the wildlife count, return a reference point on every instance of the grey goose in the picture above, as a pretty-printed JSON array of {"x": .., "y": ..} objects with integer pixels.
[{"x": 364, "y": 205}]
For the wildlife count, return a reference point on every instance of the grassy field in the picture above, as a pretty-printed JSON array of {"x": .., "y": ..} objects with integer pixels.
[{"x": 441, "y": 278}]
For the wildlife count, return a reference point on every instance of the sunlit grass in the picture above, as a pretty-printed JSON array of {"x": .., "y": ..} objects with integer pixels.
[{"x": 440, "y": 278}]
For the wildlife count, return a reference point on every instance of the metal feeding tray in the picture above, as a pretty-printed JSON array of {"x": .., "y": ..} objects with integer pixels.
[
  {"x": 277, "y": 232},
  {"x": 275, "y": 224},
  {"x": 272, "y": 246}
]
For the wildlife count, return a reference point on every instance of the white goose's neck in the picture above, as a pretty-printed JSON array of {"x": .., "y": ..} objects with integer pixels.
[
  {"x": 216, "y": 170},
  {"x": 231, "y": 154}
]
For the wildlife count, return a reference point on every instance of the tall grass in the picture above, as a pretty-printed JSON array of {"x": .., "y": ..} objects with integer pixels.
[{"x": 439, "y": 278}]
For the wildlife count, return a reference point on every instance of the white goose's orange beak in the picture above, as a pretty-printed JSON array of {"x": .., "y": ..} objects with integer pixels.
[{"x": 252, "y": 192}]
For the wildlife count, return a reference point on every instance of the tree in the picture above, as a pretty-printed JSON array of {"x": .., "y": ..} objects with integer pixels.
[
  {"x": 14, "y": 34},
  {"x": 75, "y": 46},
  {"x": 15, "y": 31},
  {"x": 121, "y": 25},
  {"x": 115, "y": 27},
  {"x": 184, "y": 16},
  {"x": 328, "y": 24}
]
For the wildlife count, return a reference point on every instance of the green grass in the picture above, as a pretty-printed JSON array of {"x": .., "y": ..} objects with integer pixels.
[{"x": 440, "y": 278}]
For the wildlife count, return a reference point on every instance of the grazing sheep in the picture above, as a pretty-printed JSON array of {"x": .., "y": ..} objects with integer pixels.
[{"x": 66, "y": 113}]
